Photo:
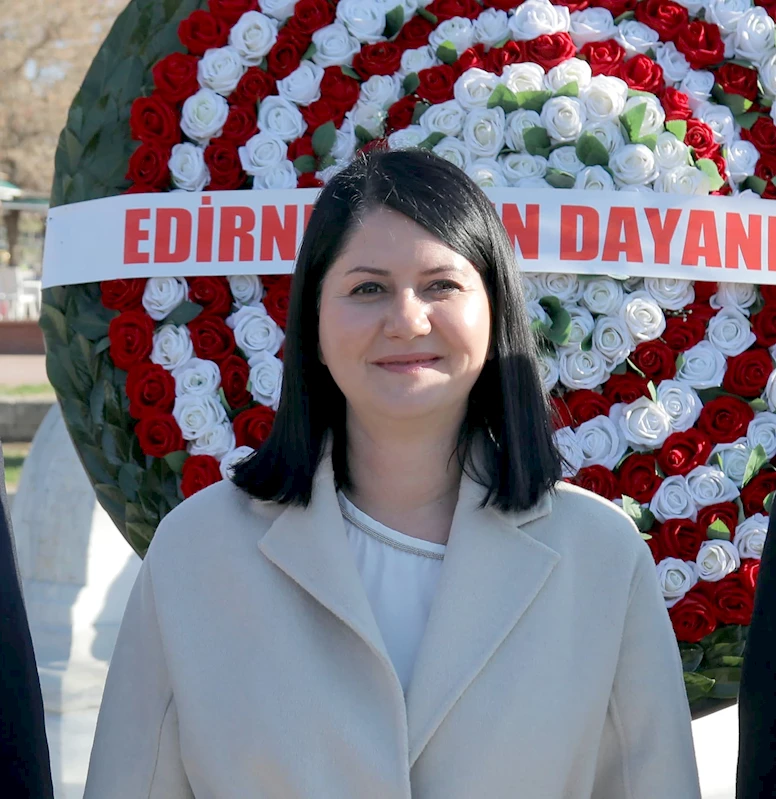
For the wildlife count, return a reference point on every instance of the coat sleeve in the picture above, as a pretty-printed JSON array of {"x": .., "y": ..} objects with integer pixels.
[
  {"x": 647, "y": 747},
  {"x": 136, "y": 752}
]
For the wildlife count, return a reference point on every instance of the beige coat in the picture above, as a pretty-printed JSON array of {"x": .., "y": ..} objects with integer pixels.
[{"x": 249, "y": 664}]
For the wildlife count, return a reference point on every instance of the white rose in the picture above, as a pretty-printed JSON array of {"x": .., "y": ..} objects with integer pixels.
[
  {"x": 580, "y": 369},
  {"x": 407, "y": 138},
  {"x": 163, "y": 294},
  {"x": 591, "y": 25},
  {"x": 303, "y": 85},
  {"x": 216, "y": 442},
  {"x": 281, "y": 118},
  {"x": 716, "y": 560},
  {"x": 474, "y": 88},
  {"x": 255, "y": 330},
  {"x": 231, "y": 459},
  {"x": 517, "y": 166},
  {"x": 409, "y": 7},
  {"x": 253, "y": 36},
  {"x": 484, "y": 131},
  {"x": 582, "y": 323},
  {"x": 518, "y": 122},
  {"x": 532, "y": 183},
  {"x": 369, "y": 116},
  {"x": 676, "y": 577},
  {"x": 727, "y": 13},
  {"x": 703, "y": 366},
  {"x": 602, "y": 295},
  {"x": 280, "y": 10},
  {"x": 416, "y": 60},
  {"x": 364, "y": 19},
  {"x": 633, "y": 164},
  {"x": 530, "y": 282},
  {"x": 280, "y": 176},
  {"x": 643, "y": 316},
  {"x": 654, "y": 115},
  {"x": 197, "y": 377},
  {"x": 345, "y": 142},
  {"x": 197, "y": 415},
  {"x": 548, "y": 370},
  {"x": 220, "y": 69},
  {"x": 604, "y": 98},
  {"x": 670, "y": 152},
  {"x": 754, "y": 35},
  {"x": 594, "y": 178},
  {"x": 697, "y": 85},
  {"x": 526, "y": 77},
  {"x": 246, "y": 289},
  {"x": 734, "y": 295},
  {"x": 383, "y": 90},
  {"x": 750, "y": 536},
  {"x": 325, "y": 175},
  {"x": 720, "y": 119},
  {"x": 447, "y": 118},
  {"x": 680, "y": 402},
  {"x": 770, "y": 390},
  {"x": 203, "y": 115},
  {"x": 535, "y": 18},
  {"x": 536, "y": 313},
  {"x": 730, "y": 332},
  {"x": 562, "y": 285},
  {"x": 644, "y": 424},
  {"x": 601, "y": 442},
  {"x": 633, "y": 283},
  {"x": 570, "y": 451},
  {"x": 685, "y": 180},
  {"x": 636, "y": 189},
  {"x": 672, "y": 500},
  {"x": 575, "y": 70},
  {"x": 187, "y": 167},
  {"x": 612, "y": 339},
  {"x": 636, "y": 37},
  {"x": 693, "y": 6},
  {"x": 670, "y": 293},
  {"x": 491, "y": 27},
  {"x": 732, "y": 459},
  {"x": 672, "y": 62},
  {"x": 459, "y": 31},
  {"x": 266, "y": 377},
  {"x": 334, "y": 46},
  {"x": 172, "y": 346},
  {"x": 262, "y": 151},
  {"x": 741, "y": 157},
  {"x": 762, "y": 431},
  {"x": 608, "y": 133},
  {"x": 454, "y": 151},
  {"x": 708, "y": 486},
  {"x": 563, "y": 118},
  {"x": 767, "y": 75},
  {"x": 487, "y": 173},
  {"x": 565, "y": 159}
]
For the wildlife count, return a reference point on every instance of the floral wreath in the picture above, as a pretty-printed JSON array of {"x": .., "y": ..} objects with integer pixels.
[{"x": 665, "y": 389}]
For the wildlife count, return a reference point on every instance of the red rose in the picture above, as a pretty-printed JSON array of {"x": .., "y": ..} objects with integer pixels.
[
  {"x": 319, "y": 113},
  {"x": 749, "y": 571},
  {"x": 725, "y": 419},
  {"x": 311, "y": 15},
  {"x": 656, "y": 359},
  {"x": 224, "y": 164},
  {"x": 681, "y": 538},
  {"x": 731, "y": 599},
  {"x": 150, "y": 389},
  {"x": 436, "y": 84},
  {"x": 201, "y": 31},
  {"x": 212, "y": 339},
  {"x": 693, "y": 618},
  {"x": 414, "y": 34},
  {"x": 768, "y": 294},
  {"x": 500, "y": 57},
  {"x": 747, "y": 374},
  {"x": 154, "y": 121},
  {"x": 301, "y": 146},
  {"x": 254, "y": 85},
  {"x": 212, "y": 293},
  {"x": 234, "y": 381},
  {"x": 682, "y": 334},
  {"x": 383, "y": 58},
  {"x": 585, "y": 405},
  {"x": 573, "y": 5},
  {"x": 615, "y": 7},
  {"x": 638, "y": 477},
  {"x": 159, "y": 435},
  {"x": 141, "y": 188},
  {"x": 240, "y": 125},
  {"x": 340, "y": 90},
  {"x": 400, "y": 114},
  {"x": 763, "y": 135},
  {"x": 276, "y": 300},
  {"x": 131, "y": 335},
  {"x": 753, "y": 494},
  {"x": 764, "y": 326},
  {"x": 726, "y": 512},
  {"x": 735, "y": 79},
  {"x": 501, "y": 5},
  {"x": 252, "y": 427},
  {"x": 765, "y": 168},
  {"x": 123, "y": 294},
  {"x": 561, "y": 415},
  {"x": 699, "y": 310},
  {"x": 605, "y": 58},
  {"x": 626, "y": 387},
  {"x": 550, "y": 49},
  {"x": 447, "y": 9},
  {"x": 308, "y": 181},
  {"x": 472, "y": 58},
  {"x": 663, "y": 16},
  {"x": 148, "y": 165},
  {"x": 286, "y": 53},
  {"x": 231, "y": 10},
  {"x": 700, "y": 43},
  {"x": 705, "y": 290},
  {"x": 700, "y": 137},
  {"x": 656, "y": 548},
  {"x": 175, "y": 77},
  {"x": 599, "y": 480},
  {"x": 676, "y": 104},
  {"x": 682, "y": 452},
  {"x": 199, "y": 471},
  {"x": 642, "y": 74}
]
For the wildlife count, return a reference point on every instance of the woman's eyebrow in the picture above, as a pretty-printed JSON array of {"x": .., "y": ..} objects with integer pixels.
[{"x": 372, "y": 270}]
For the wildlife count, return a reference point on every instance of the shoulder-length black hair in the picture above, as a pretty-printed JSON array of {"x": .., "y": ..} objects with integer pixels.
[{"x": 507, "y": 403}]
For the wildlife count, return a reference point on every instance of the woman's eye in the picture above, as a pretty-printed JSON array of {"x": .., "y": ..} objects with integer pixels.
[
  {"x": 446, "y": 285},
  {"x": 367, "y": 288}
]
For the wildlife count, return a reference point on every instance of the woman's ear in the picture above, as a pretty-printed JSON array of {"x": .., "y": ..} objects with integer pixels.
[{"x": 320, "y": 355}]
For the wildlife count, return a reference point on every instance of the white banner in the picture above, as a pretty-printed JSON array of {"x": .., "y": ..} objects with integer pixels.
[{"x": 553, "y": 230}]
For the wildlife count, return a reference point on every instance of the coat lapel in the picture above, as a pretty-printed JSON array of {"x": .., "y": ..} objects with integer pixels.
[{"x": 492, "y": 572}]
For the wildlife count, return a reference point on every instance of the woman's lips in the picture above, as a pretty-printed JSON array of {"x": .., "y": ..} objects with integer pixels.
[{"x": 408, "y": 367}]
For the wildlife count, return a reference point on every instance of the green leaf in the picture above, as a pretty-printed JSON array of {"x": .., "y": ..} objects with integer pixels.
[
  {"x": 102, "y": 345},
  {"x": 758, "y": 405},
  {"x": 537, "y": 142},
  {"x": 175, "y": 460},
  {"x": 559, "y": 331},
  {"x": 112, "y": 499},
  {"x": 90, "y": 326},
  {"x": 708, "y": 167},
  {"x": 53, "y": 323},
  {"x": 768, "y": 502},
  {"x": 648, "y": 141},
  {"x": 718, "y": 531},
  {"x": 747, "y": 120},
  {"x": 559, "y": 179},
  {"x": 678, "y": 127},
  {"x": 428, "y": 16},
  {"x": 735, "y": 102},
  {"x": 129, "y": 479},
  {"x": 323, "y": 138},
  {"x": 326, "y": 161},
  {"x": 587, "y": 343},
  {"x": 447, "y": 53},
  {"x": 394, "y": 20},
  {"x": 697, "y": 686},
  {"x": 755, "y": 184},
  {"x": 418, "y": 111},
  {"x": 625, "y": 15},
  {"x": 634, "y": 367},
  {"x": 532, "y": 100},
  {"x": 411, "y": 83},
  {"x": 652, "y": 391},
  {"x": 309, "y": 52},
  {"x": 350, "y": 72},
  {"x": 186, "y": 312},
  {"x": 726, "y": 682},
  {"x": 304, "y": 164},
  {"x": 642, "y": 517},
  {"x": 432, "y": 140},
  {"x": 362, "y": 134},
  {"x": 97, "y": 403},
  {"x": 503, "y": 97},
  {"x": 679, "y": 361},
  {"x": 568, "y": 90},
  {"x": 590, "y": 151},
  {"x": 692, "y": 656},
  {"x": 633, "y": 119},
  {"x": 757, "y": 459}
]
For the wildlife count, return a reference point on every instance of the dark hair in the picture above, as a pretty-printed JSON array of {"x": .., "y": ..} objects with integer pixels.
[{"x": 507, "y": 403}]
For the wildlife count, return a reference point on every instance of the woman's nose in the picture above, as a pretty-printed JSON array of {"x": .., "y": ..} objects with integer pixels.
[{"x": 407, "y": 316}]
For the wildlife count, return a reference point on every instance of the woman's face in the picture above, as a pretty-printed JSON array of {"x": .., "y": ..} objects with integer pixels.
[{"x": 397, "y": 294}]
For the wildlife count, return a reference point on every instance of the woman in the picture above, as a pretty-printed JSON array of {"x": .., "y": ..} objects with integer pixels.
[{"x": 395, "y": 596}]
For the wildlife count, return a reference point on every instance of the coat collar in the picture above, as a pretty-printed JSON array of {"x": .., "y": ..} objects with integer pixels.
[{"x": 492, "y": 572}]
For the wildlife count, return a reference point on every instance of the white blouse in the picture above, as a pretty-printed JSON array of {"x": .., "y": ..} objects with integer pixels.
[{"x": 400, "y": 574}]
